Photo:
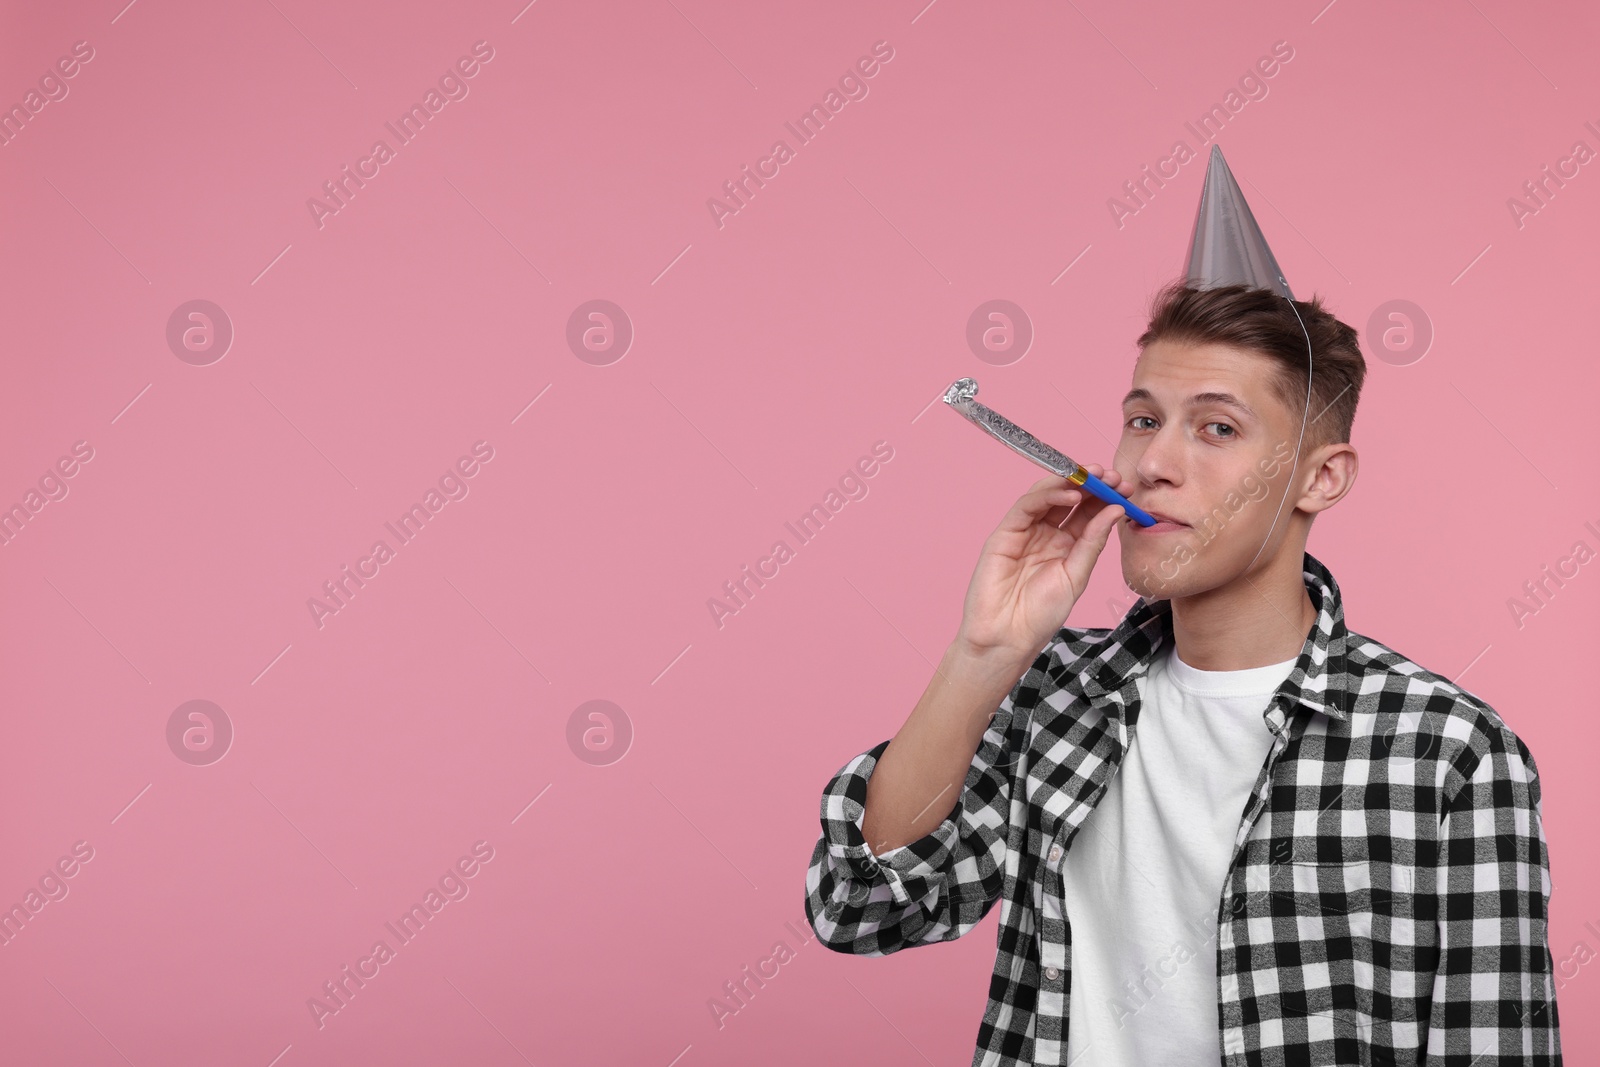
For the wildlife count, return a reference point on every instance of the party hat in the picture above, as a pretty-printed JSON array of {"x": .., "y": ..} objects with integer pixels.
[{"x": 1227, "y": 247}]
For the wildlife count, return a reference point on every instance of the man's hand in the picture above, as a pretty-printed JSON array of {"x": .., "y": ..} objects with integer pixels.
[{"x": 1035, "y": 566}]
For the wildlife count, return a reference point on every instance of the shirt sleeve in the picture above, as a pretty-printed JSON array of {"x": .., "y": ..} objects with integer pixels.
[
  {"x": 1494, "y": 997},
  {"x": 935, "y": 888}
]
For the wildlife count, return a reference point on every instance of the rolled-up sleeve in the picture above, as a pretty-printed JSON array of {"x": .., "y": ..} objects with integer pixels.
[
  {"x": 1494, "y": 996},
  {"x": 933, "y": 889}
]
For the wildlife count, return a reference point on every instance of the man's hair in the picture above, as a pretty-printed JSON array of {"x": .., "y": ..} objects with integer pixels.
[{"x": 1261, "y": 321}]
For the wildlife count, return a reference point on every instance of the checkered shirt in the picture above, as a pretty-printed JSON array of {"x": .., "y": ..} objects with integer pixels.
[{"x": 1387, "y": 898}]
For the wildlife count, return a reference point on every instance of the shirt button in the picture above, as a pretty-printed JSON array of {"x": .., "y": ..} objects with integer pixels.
[
  {"x": 1052, "y": 973},
  {"x": 1055, "y": 853}
]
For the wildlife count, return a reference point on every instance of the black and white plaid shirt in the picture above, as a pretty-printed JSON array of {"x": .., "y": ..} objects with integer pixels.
[{"x": 1386, "y": 901}]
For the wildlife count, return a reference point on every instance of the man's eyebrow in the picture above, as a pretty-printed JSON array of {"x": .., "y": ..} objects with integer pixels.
[{"x": 1197, "y": 400}]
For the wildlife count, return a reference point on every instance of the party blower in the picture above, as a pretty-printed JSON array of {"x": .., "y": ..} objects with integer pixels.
[{"x": 959, "y": 396}]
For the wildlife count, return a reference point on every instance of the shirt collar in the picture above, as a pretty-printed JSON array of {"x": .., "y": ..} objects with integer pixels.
[{"x": 1319, "y": 679}]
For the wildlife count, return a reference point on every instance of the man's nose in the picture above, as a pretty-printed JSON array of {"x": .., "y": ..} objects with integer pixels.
[{"x": 1159, "y": 462}]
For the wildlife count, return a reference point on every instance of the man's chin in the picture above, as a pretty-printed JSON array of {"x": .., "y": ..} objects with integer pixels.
[
  {"x": 1142, "y": 581},
  {"x": 1166, "y": 570}
]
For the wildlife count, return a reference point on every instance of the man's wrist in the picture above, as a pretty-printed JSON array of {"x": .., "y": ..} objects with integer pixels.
[{"x": 984, "y": 667}]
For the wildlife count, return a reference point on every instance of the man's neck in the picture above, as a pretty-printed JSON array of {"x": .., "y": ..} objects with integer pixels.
[{"x": 1256, "y": 620}]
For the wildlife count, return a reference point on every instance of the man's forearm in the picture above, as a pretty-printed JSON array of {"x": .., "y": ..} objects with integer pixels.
[{"x": 919, "y": 777}]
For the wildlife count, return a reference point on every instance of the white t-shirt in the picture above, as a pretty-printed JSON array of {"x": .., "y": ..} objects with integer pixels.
[{"x": 1144, "y": 874}]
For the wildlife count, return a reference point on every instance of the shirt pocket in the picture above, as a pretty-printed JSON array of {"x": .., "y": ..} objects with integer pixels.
[{"x": 1358, "y": 978}]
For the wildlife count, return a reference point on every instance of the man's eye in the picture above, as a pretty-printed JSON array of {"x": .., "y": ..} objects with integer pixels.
[{"x": 1227, "y": 430}]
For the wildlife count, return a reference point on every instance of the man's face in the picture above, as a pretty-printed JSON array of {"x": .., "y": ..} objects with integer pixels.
[{"x": 1216, "y": 464}]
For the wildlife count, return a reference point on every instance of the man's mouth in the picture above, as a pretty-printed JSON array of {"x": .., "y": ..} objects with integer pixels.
[{"x": 1164, "y": 523}]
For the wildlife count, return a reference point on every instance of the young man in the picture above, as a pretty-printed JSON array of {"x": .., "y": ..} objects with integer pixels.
[{"x": 1229, "y": 830}]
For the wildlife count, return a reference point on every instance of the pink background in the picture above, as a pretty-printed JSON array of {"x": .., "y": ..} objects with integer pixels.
[{"x": 769, "y": 355}]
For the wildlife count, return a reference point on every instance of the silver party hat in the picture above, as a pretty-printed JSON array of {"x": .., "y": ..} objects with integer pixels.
[{"x": 1227, "y": 247}]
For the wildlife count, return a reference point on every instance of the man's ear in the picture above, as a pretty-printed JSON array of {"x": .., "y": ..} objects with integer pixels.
[{"x": 1330, "y": 475}]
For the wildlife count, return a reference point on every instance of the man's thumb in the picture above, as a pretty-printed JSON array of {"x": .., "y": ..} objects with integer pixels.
[{"x": 1117, "y": 513}]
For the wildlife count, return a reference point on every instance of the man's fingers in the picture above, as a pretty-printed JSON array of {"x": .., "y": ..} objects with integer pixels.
[
  {"x": 1048, "y": 481},
  {"x": 1072, "y": 498},
  {"x": 1032, "y": 505},
  {"x": 1081, "y": 516},
  {"x": 1054, "y": 500},
  {"x": 1058, "y": 514}
]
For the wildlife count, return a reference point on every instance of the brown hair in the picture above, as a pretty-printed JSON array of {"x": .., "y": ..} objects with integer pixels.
[{"x": 1261, "y": 321}]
